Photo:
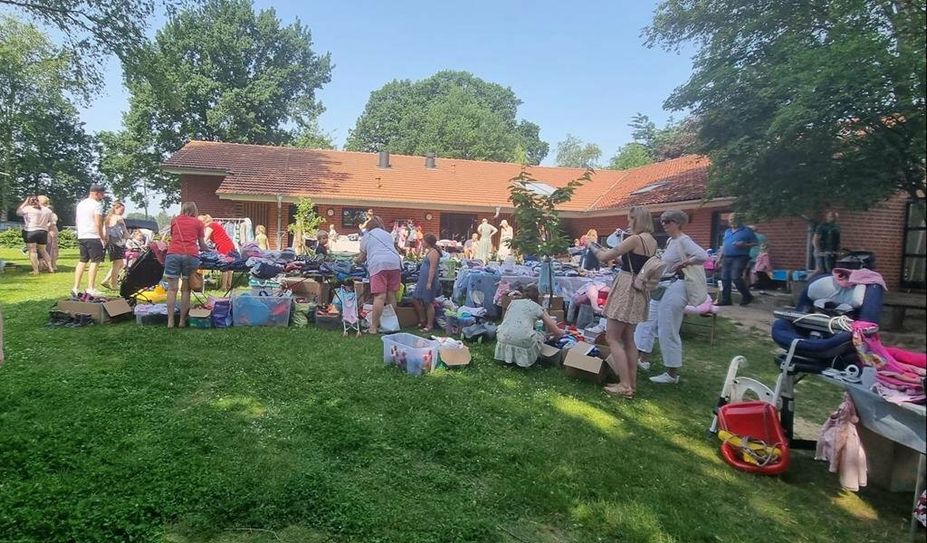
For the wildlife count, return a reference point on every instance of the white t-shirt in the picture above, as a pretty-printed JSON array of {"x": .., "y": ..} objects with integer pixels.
[
  {"x": 86, "y": 217},
  {"x": 381, "y": 252}
]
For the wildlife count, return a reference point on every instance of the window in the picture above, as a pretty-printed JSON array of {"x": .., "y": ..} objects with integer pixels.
[
  {"x": 915, "y": 247},
  {"x": 653, "y": 186},
  {"x": 541, "y": 189},
  {"x": 720, "y": 221},
  {"x": 351, "y": 217}
]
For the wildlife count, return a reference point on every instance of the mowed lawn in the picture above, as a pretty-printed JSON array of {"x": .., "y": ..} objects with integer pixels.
[{"x": 128, "y": 433}]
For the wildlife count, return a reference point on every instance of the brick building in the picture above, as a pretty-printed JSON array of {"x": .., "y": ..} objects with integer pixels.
[{"x": 449, "y": 197}]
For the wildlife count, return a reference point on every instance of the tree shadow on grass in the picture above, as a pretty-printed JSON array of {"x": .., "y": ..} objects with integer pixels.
[{"x": 209, "y": 432}]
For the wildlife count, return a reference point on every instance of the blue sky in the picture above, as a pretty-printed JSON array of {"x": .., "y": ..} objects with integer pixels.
[{"x": 580, "y": 68}]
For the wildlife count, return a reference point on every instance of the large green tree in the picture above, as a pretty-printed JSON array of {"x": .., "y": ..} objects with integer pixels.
[
  {"x": 803, "y": 105},
  {"x": 219, "y": 72},
  {"x": 573, "y": 152},
  {"x": 43, "y": 147},
  {"x": 452, "y": 114},
  {"x": 94, "y": 29},
  {"x": 630, "y": 156}
]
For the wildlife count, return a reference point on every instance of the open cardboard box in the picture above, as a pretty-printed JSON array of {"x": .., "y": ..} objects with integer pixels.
[
  {"x": 554, "y": 303},
  {"x": 100, "y": 312},
  {"x": 408, "y": 318},
  {"x": 551, "y": 356},
  {"x": 453, "y": 357},
  {"x": 579, "y": 364},
  {"x": 315, "y": 291}
]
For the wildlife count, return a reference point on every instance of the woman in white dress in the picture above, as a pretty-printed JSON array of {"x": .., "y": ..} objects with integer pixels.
[
  {"x": 484, "y": 246},
  {"x": 506, "y": 233}
]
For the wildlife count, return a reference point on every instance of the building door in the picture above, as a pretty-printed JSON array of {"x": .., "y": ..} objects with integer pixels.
[{"x": 457, "y": 226}]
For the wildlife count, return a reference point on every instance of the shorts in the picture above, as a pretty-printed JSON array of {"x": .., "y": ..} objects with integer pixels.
[
  {"x": 115, "y": 252},
  {"x": 91, "y": 250},
  {"x": 177, "y": 265},
  {"x": 385, "y": 281},
  {"x": 39, "y": 237}
]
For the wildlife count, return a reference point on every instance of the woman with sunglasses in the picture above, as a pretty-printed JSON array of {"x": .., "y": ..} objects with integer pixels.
[{"x": 665, "y": 318}]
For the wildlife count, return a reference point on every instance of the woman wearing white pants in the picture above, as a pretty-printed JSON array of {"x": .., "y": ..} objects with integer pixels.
[{"x": 665, "y": 316}]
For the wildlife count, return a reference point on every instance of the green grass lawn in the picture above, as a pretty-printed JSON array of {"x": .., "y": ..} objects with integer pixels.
[{"x": 128, "y": 433}]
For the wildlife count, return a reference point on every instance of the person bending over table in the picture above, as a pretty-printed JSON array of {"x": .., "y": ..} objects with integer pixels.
[
  {"x": 215, "y": 233},
  {"x": 383, "y": 266},
  {"x": 182, "y": 260}
]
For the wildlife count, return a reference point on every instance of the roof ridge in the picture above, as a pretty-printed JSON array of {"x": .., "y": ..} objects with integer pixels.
[{"x": 292, "y": 147}]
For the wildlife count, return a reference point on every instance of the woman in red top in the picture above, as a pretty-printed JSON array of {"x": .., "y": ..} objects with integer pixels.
[
  {"x": 224, "y": 245},
  {"x": 183, "y": 259}
]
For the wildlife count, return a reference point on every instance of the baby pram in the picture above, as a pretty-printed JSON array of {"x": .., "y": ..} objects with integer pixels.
[
  {"x": 817, "y": 336},
  {"x": 143, "y": 274}
]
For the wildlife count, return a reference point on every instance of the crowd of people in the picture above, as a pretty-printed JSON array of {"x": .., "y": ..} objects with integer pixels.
[{"x": 637, "y": 318}]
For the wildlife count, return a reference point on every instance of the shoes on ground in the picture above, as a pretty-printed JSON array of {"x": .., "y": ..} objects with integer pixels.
[
  {"x": 665, "y": 379},
  {"x": 721, "y": 304},
  {"x": 643, "y": 364}
]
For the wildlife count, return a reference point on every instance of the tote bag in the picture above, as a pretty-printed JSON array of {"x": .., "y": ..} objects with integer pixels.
[{"x": 696, "y": 284}]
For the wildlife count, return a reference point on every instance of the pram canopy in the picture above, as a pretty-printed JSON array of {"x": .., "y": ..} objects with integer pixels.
[{"x": 144, "y": 273}]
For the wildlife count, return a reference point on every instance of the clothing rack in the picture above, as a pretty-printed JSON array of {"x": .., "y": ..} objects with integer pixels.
[{"x": 241, "y": 230}]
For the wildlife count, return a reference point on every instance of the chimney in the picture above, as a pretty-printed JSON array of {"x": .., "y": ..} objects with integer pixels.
[
  {"x": 430, "y": 161},
  {"x": 384, "y": 159}
]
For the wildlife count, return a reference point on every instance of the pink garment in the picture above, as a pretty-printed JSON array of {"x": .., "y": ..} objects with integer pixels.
[
  {"x": 918, "y": 360},
  {"x": 840, "y": 445},
  {"x": 891, "y": 374},
  {"x": 850, "y": 278},
  {"x": 762, "y": 263},
  {"x": 704, "y": 308}
]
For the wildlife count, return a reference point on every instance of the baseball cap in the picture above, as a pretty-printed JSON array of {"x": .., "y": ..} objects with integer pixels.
[{"x": 96, "y": 187}]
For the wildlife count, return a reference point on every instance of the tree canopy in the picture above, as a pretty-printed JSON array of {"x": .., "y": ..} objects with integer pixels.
[
  {"x": 574, "y": 153},
  {"x": 94, "y": 29},
  {"x": 43, "y": 147},
  {"x": 803, "y": 105},
  {"x": 452, "y": 114},
  {"x": 630, "y": 156},
  {"x": 219, "y": 71}
]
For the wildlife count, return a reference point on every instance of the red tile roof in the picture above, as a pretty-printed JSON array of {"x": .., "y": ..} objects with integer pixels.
[{"x": 328, "y": 175}]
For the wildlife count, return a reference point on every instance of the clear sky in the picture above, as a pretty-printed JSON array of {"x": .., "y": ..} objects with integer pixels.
[{"x": 579, "y": 67}]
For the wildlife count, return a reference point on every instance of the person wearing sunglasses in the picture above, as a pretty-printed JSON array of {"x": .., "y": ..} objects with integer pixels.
[{"x": 665, "y": 316}]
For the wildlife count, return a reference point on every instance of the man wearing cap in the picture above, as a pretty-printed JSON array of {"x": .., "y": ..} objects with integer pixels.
[{"x": 89, "y": 219}]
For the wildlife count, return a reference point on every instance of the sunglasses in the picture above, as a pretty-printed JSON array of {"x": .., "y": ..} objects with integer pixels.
[{"x": 664, "y": 221}]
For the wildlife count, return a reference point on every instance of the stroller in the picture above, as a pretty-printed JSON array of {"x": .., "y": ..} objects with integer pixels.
[
  {"x": 145, "y": 272},
  {"x": 818, "y": 336}
]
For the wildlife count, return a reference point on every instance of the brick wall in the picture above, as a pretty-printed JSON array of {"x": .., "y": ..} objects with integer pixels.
[
  {"x": 202, "y": 190},
  {"x": 699, "y": 227}
]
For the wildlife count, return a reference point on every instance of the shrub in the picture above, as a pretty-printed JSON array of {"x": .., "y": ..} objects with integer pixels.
[{"x": 13, "y": 238}]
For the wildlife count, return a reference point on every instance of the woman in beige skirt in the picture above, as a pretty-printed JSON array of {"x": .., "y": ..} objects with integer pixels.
[{"x": 627, "y": 306}]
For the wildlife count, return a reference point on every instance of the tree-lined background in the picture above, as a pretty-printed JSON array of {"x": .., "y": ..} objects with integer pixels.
[{"x": 822, "y": 101}]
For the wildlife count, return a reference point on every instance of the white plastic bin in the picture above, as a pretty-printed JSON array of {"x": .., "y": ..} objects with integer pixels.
[{"x": 414, "y": 354}]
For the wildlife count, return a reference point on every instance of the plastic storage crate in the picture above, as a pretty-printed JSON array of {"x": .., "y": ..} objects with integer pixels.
[
  {"x": 248, "y": 310},
  {"x": 413, "y": 354}
]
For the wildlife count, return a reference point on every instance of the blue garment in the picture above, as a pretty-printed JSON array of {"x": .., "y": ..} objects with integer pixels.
[
  {"x": 421, "y": 291},
  {"x": 732, "y": 236},
  {"x": 486, "y": 283}
]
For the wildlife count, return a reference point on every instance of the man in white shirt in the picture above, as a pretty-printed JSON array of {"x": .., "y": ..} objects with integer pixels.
[{"x": 89, "y": 219}]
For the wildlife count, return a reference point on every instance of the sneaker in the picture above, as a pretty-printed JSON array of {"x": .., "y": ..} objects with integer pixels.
[
  {"x": 643, "y": 364},
  {"x": 95, "y": 293},
  {"x": 75, "y": 294},
  {"x": 665, "y": 379},
  {"x": 722, "y": 303}
]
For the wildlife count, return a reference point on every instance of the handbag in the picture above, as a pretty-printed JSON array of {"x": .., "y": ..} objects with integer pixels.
[
  {"x": 696, "y": 284},
  {"x": 195, "y": 281},
  {"x": 657, "y": 293}
]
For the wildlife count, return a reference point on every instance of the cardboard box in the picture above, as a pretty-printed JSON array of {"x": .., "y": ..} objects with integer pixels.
[
  {"x": 454, "y": 357},
  {"x": 408, "y": 318},
  {"x": 554, "y": 303},
  {"x": 100, "y": 312},
  {"x": 558, "y": 314},
  {"x": 362, "y": 290},
  {"x": 577, "y": 363},
  {"x": 315, "y": 291},
  {"x": 551, "y": 356}
]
